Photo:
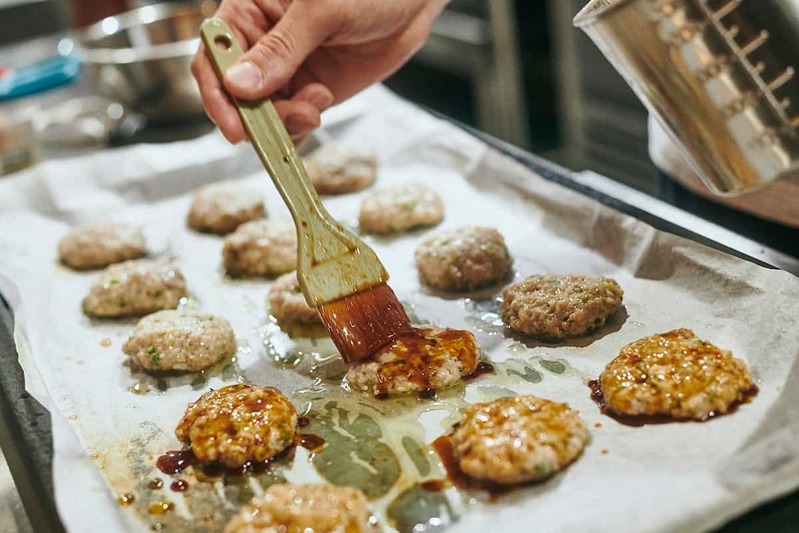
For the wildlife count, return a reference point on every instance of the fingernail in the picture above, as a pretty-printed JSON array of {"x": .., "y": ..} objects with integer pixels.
[
  {"x": 245, "y": 75},
  {"x": 321, "y": 100},
  {"x": 297, "y": 124}
]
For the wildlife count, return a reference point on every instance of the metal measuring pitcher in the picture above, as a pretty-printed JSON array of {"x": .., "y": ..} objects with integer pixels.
[{"x": 719, "y": 75}]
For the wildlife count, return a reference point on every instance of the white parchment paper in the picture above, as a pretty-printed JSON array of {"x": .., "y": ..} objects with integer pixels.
[{"x": 687, "y": 476}]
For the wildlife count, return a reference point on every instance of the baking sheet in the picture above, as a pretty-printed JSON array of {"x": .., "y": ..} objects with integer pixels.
[{"x": 682, "y": 476}]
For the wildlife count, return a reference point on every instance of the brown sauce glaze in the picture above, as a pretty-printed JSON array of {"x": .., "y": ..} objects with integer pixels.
[
  {"x": 179, "y": 485},
  {"x": 434, "y": 485},
  {"x": 303, "y": 421},
  {"x": 428, "y": 394},
  {"x": 312, "y": 443},
  {"x": 483, "y": 367},
  {"x": 366, "y": 320},
  {"x": 646, "y": 420},
  {"x": 176, "y": 461},
  {"x": 417, "y": 353},
  {"x": 443, "y": 447}
]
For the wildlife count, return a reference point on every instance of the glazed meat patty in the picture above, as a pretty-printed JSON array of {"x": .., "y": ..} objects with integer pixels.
[
  {"x": 463, "y": 259},
  {"x": 400, "y": 208},
  {"x": 518, "y": 440},
  {"x": 674, "y": 374},
  {"x": 558, "y": 307},
  {"x": 287, "y": 303},
  {"x": 261, "y": 248},
  {"x": 180, "y": 340},
  {"x": 237, "y": 424},
  {"x": 135, "y": 288},
  {"x": 101, "y": 244},
  {"x": 435, "y": 359},
  {"x": 222, "y": 207},
  {"x": 304, "y": 509},
  {"x": 340, "y": 169}
]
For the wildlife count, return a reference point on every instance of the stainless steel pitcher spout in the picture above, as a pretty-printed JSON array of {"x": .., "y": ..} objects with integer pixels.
[{"x": 720, "y": 76}]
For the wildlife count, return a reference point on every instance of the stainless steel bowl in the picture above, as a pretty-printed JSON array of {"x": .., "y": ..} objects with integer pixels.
[{"x": 141, "y": 58}]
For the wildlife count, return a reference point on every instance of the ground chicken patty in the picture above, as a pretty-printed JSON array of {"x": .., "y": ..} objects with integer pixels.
[
  {"x": 101, "y": 244},
  {"x": 287, "y": 303},
  {"x": 557, "y": 307},
  {"x": 222, "y": 207},
  {"x": 135, "y": 288},
  {"x": 674, "y": 374},
  {"x": 180, "y": 340},
  {"x": 261, "y": 248},
  {"x": 340, "y": 169},
  {"x": 400, "y": 208},
  {"x": 237, "y": 424},
  {"x": 305, "y": 508},
  {"x": 517, "y": 440},
  {"x": 435, "y": 359},
  {"x": 463, "y": 259}
]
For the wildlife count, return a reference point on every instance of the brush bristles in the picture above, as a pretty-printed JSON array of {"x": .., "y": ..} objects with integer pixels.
[{"x": 362, "y": 323}]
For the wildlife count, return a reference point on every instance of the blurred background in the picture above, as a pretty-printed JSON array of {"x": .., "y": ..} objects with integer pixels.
[{"x": 515, "y": 69}]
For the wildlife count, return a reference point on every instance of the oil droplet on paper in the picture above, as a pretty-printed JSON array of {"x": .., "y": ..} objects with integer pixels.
[{"x": 126, "y": 499}]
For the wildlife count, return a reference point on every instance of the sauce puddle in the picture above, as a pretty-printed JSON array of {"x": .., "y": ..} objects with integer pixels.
[
  {"x": 176, "y": 461},
  {"x": 644, "y": 420}
]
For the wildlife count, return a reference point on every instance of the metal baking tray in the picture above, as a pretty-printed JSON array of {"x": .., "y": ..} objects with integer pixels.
[{"x": 25, "y": 425}]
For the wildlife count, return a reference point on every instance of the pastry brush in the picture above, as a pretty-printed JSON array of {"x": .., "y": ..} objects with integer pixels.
[{"x": 338, "y": 273}]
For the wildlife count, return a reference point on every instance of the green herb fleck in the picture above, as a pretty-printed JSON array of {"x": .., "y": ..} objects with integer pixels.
[
  {"x": 297, "y": 289},
  {"x": 113, "y": 281},
  {"x": 286, "y": 437},
  {"x": 155, "y": 357},
  {"x": 410, "y": 207}
]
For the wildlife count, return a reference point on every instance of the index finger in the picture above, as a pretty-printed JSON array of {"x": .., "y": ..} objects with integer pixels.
[{"x": 215, "y": 99}]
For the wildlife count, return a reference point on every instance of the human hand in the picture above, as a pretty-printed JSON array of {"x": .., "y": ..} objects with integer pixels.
[{"x": 310, "y": 54}]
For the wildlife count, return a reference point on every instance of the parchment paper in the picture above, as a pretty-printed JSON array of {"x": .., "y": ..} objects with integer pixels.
[{"x": 688, "y": 476}]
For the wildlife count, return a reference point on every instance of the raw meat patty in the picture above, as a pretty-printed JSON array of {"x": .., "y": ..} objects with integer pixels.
[
  {"x": 180, "y": 340},
  {"x": 222, "y": 207},
  {"x": 340, "y": 169},
  {"x": 135, "y": 288},
  {"x": 557, "y": 307},
  {"x": 463, "y": 259},
  {"x": 400, "y": 208},
  {"x": 261, "y": 248},
  {"x": 101, "y": 244}
]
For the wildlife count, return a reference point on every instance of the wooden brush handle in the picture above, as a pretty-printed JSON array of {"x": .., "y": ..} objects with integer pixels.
[{"x": 321, "y": 239}]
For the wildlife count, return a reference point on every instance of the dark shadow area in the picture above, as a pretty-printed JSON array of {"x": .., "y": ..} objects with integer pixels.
[{"x": 613, "y": 324}]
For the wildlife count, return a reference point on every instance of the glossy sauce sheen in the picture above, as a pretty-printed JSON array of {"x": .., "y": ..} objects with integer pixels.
[
  {"x": 414, "y": 359},
  {"x": 176, "y": 461},
  {"x": 482, "y": 368},
  {"x": 312, "y": 443},
  {"x": 443, "y": 447},
  {"x": 179, "y": 485},
  {"x": 644, "y": 420},
  {"x": 362, "y": 323}
]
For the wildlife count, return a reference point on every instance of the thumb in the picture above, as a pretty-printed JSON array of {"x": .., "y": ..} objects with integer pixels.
[{"x": 271, "y": 63}]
